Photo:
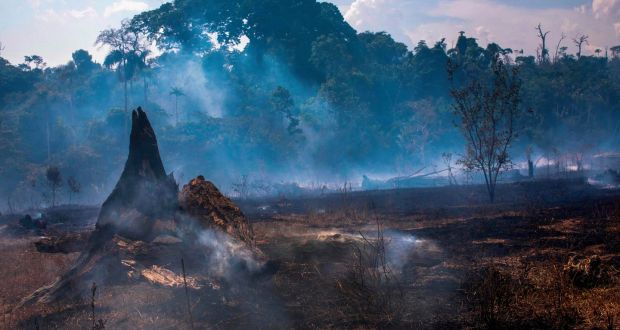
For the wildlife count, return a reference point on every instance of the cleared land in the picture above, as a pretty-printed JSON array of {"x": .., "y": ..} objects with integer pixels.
[{"x": 424, "y": 258}]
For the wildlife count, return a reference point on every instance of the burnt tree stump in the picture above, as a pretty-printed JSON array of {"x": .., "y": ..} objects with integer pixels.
[{"x": 146, "y": 222}]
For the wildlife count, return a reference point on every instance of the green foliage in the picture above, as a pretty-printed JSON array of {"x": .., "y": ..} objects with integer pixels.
[
  {"x": 282, "y": 102},
  {"x": 306, "y": 93}
]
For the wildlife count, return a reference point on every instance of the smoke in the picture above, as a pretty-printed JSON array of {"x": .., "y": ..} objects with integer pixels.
[
  {"x": 222, "y": 123},
  {"x": 226, "y": 258},
  {"x": 203, "y": 94},
  {"x": 401, "y": 247}
]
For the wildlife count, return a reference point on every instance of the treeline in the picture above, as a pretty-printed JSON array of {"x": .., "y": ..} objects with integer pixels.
[{"x": 284, "y": 90}]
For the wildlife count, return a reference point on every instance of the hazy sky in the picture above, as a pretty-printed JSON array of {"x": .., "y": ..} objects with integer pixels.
[{"x": 55, "y": 28}]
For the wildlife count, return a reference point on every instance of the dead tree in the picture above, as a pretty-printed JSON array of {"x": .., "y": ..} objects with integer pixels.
[
  {"x": 143, "y": 186},
  {"x": 146, "y": 204},
  {"x": 487, "y": 106},
  {"x": 544, "y": 52},
  {"x": 579, "y": 40},
  {"x": 558, "y": 47}
]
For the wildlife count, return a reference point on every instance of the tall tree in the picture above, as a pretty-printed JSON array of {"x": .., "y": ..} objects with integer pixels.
[
  {"x": 128, "y": 53},
  {"x": 487, "y": 107},
  {"x": 83, "y": 62},
  {"x": 558, "y": 48},
  {"x": 579, "y": 40},
  {"x": 544, "y": 52},
  {"x": 54, "y": 181}
]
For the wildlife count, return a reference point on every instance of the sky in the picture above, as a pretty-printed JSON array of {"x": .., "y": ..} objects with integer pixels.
[{"x": 56, "y": 28}]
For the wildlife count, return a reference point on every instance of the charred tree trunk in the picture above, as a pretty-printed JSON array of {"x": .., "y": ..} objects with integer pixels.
[
  {"x": 143, "y": 194},
  {"x": 143, "y": 207},
  {"x": 143, "y": 186}
]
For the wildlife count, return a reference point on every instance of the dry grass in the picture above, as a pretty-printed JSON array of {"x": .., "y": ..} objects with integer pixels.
[
  {"x": 499, "y": 267},
  {"x": 538, "y": 296},
  {"x": 23, "y": 271},
  {"x": 371, "y": 293}
]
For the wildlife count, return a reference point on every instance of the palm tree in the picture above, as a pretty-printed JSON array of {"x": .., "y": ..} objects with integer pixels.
[
  {"x": 128, "y": 54},
  {"x": 118, "y": 58},
  {"x": 137, "y": 62},
  {"x": 176, "y": 91}
]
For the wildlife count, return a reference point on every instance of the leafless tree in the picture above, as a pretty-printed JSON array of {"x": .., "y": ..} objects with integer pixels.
[
  {"x": 579, "y": 40},
  {"x": 558, "y": 47},
  {"x": 2, "y": 48},
  {"x": 487, "y": 107},
  {"x": 544, "y": 52}
]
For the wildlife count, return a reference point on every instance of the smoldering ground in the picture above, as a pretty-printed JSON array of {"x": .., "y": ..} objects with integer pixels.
[
  {"x": 148, "y": 284},
  {"x": 315, "y": 282},
  {"x": 228, "y": 285}
]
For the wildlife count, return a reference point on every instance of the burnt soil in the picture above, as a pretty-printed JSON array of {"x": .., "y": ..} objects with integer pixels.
[{"x": 473, "y": 264}]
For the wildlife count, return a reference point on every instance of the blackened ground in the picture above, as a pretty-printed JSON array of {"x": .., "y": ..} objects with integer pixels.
[{"x": 473, "y": 265}]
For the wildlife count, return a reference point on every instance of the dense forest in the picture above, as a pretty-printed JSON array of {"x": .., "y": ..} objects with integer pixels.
[{"x": 285, "y": 90}]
